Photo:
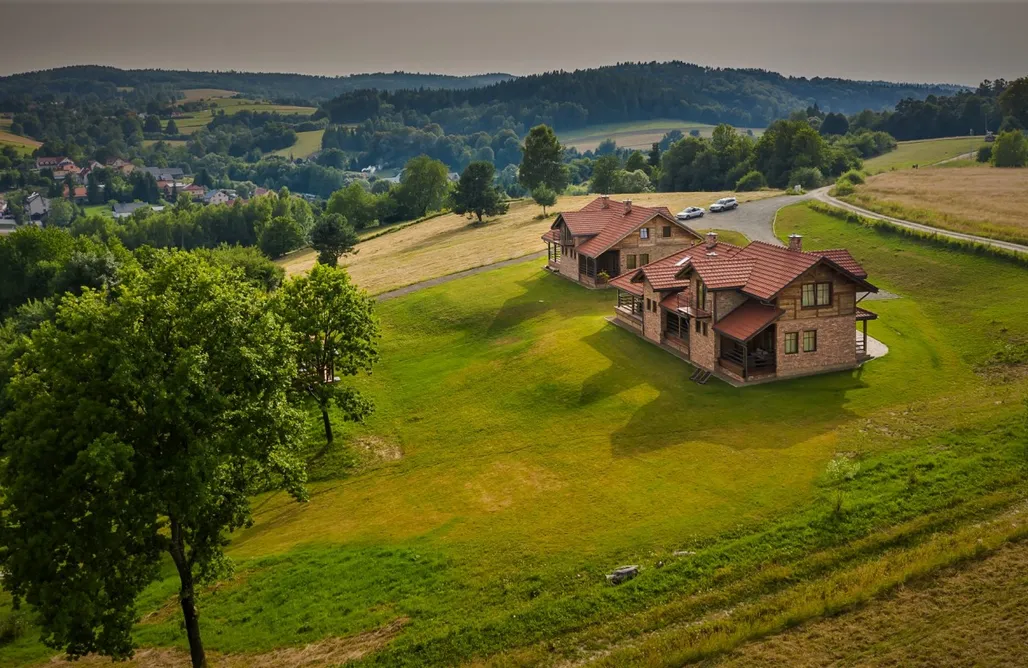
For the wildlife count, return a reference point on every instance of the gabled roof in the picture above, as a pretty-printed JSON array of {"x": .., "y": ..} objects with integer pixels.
[
  {"x": 610, "y": 223},
  {"x": 667, "y": 273},
  {"x": 747, "y": 320},
  {"x": 762, "y": 270},
  {"x": 551, "y": 235}
]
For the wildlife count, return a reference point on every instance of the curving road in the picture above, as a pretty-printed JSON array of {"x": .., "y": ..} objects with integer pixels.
[{"x": 754, "y": 219}]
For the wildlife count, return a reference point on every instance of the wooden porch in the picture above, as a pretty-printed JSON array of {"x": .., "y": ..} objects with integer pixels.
[{"x": 750, "y": 359}]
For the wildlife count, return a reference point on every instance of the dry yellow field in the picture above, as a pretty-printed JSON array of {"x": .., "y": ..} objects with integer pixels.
[
  {"x": 983, "y": 200},
  {"x": 449, "y": 244}
]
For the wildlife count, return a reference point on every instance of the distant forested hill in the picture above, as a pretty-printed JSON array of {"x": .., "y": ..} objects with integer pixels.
[
  {"x": 628, "y": 92},
  {"x": 105, "y": 82}
]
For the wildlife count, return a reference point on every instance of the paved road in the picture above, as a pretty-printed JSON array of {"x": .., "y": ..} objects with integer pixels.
[
  {"x": 753, "y": 219},
  {"x": 1007, "y": 245}
]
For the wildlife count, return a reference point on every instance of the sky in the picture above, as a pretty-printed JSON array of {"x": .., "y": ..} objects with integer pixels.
[{"x": 914, "y": 41}]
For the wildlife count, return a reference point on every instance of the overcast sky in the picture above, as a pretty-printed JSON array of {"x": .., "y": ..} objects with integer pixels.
[{"x": 913, "y": 41}]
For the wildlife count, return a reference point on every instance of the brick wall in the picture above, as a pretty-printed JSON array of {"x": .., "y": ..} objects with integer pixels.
[
  {"x": 656, "y": 246},
  {"x": 569, "y": 263},
  {"x": 727, "y": 301},
  {"x": 836, "y": 345},
  {"x": 653, "y": 323}
]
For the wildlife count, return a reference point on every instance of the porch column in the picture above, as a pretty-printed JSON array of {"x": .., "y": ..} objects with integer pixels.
[
  {"x": 745, "y": 361},
  {"x": 865, "y": 336}
]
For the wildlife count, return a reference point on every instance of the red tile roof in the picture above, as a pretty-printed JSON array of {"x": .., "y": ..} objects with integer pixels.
[
  {"x": 609, "y": 225},
  {"x": 864, "y": 314},
  {"x": 748, "y": 320},
  {"x": 624, "y": 282},
  {"x": 551, "y": 235},
  {"x": 842, "y": 257}
]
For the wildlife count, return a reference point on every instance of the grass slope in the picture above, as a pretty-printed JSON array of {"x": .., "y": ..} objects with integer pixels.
[
  {"x": 522, "y": 447},
  {"x": 975, "y": 200},
  {"x": 306, "y": 143},
  {"x": 635, "y": 134},
  {"x": 923, "y": 153},
  {"x": 193, "y": 121},
  {"x": 449, "y": 244}
]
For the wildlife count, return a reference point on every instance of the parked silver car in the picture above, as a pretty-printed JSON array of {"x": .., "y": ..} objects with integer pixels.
[
  {"x": 690, "y": 212},
  {"x": 724, "y": 204}
]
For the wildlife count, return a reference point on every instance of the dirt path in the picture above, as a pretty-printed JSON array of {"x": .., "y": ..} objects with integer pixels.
[{"x": 823, "y": 196}]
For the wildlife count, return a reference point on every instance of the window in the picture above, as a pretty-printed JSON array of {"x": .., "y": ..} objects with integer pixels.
[
  {"x": 630, "y": 259},
  {"x": 816, "y": 294},
  {"x": 644, "y": 259},
  {"x": 810, "y": 341},
  {"x": 701, "y": 296},
  {"x": 697, "y": 326},
  {"x": 824, "y": 294},
  {"x": 677, "y": 325},
  {"x": 648, "y": 302},
  {"x": 792, "y": 343},
  {"x": 644, "y": 233},
  {"x": 666, "y": 232},
  {"x": 704, "y": 329}
]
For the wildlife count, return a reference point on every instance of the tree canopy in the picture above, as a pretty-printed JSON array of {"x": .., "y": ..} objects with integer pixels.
[
  {"x": 476, "y": 194},
  {"x": 542, "y": 163},
  {"x": 151, "y": 443}
]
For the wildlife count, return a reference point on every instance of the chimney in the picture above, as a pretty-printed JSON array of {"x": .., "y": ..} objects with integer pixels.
[
  {"x": 796, "y": 242},
  {"x": 628, "y": 206},
  {"x": 711, "y": 239},
  {"x": 606, "y": 201}
]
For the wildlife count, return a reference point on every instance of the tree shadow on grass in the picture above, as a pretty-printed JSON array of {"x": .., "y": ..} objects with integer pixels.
[
  {"x": 780, "y": 414},
  {"x": 544, "y": 293}
]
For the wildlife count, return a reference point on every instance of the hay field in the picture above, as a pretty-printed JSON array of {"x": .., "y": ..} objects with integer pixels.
[
  {"x": 195, "y": 94},
  {"x": 193, "y": 121},
  {"x": 23, "y": 144},
  {"x": 978, "y": 200},
  {"x": 450, "y": 243}
]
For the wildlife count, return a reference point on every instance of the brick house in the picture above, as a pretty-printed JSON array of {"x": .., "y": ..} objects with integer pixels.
[
  {"x": 611, "y": 237},
  {"x": 750, "y": 314}
]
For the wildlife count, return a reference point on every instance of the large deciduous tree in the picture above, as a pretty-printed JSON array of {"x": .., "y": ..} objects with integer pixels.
[
  {"x": 357, "y": 205},
  {"x": 476, "y": 194},
  {"x": 332, "y": 236},
  {"x": 604, "y": 172},
  {"x": 1014, "y": 101},
  {"x": 542, "y": 162},
  {"x": 336, "y": 336},
  {"x": 423, "y": 185},
  {"x": 1010, "y": 149},
  {"x": 140, "y": 422}
]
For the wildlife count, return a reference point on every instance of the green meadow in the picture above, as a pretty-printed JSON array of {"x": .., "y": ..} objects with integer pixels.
[{"x": 522, "y": 447}]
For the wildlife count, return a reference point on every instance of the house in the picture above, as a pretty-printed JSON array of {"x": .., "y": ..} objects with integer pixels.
[
  {"x": 220, "y": 196},
  {"x": 165, "y": 173},
  {"x": 170, "y": 189},
  {"x": 124, "y": 210},
  {"x": 79, "y": 195},
  {"x": 58, "y": 163},
  {"x": 195, "y": 192},
  {"x": 750, "y": 314},
  {"x": 607, "y": 237},
  {"x": 123, "y": 166},
  {"x": 260, "y": 192},
  {"x": 37, "y": 206}
]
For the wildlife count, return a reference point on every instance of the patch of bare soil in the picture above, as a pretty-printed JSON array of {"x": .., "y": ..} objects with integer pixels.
[
  {"x": 376, "y": 450},
  {"x": 327, "y": 652}
]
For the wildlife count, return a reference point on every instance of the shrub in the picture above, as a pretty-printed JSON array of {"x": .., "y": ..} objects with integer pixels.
[
  {"x": 13, "y": 625},
  {"x": 853, "y": 177},
  {"x": 843, "y": 188},
  {"x": 1010, "y": 149},
  {"x": 807, "y": 178},
  {"x": 985, "y": 154},
  {"x": 752, "y": 180}
]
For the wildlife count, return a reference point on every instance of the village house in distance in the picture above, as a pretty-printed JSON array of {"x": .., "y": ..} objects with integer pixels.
[{"x": 746, "y": 315}]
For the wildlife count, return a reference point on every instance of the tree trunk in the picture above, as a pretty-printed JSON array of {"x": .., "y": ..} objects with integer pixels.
[
  {"x": 328, "y": 425},
  {"x": 187, "y": 596}
]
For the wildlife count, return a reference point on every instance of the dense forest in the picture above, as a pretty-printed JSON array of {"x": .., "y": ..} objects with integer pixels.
[
  {"x": 106, "y": 83},
  {"x": 624, "y": 92}
]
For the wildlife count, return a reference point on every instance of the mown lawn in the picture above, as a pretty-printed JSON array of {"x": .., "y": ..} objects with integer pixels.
[
  {"x": 306, "y": 143},
  {"x": 923, "y": 153},
  {"x": 522, "y": 447}
]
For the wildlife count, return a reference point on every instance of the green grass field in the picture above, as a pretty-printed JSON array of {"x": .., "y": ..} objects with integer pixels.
[
  {"x": 922, "y": 153},
  {"x": 193, "y": 121},
  {"x": 306, "y": 143},
  {"x": 24, "y": 145},
  {"x": 637, "y": 134},
  {"x": 522, "y": 447}
]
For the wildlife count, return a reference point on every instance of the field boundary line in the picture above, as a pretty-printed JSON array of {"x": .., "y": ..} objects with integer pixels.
[{"x": 921, "y": 227}]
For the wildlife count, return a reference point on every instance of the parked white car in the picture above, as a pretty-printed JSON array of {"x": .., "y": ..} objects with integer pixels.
[
  {"x": 690, "y": 212},
  {"x": 724, "y": 204}
]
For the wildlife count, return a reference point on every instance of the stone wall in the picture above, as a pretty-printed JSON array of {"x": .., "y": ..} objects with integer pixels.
[{"x": 653, "y": 315}]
